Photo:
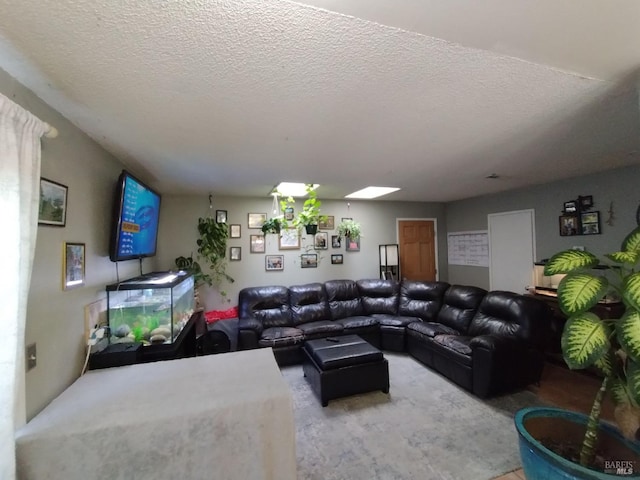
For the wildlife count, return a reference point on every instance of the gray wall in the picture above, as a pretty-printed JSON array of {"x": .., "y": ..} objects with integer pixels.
[
  {"x": 55, "y": 318},
  {"x": 378, "y": 220},
  {"x": 619, "y": 187}
]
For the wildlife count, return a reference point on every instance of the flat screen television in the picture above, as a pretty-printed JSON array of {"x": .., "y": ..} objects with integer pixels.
[{"x": 136, "y": 211}]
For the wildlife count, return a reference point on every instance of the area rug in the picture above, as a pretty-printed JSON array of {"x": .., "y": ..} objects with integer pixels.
[{"x": 425, "y": 428}]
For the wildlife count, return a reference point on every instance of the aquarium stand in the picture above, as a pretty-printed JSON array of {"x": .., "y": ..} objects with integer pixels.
[{"x": 116, "y": 355}]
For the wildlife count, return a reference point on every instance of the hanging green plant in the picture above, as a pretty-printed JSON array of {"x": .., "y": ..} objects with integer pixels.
[
  {"x": 310, "y": 214},
  {"x": 273, "y": 225},
  {"x": 349, "y": 229},
  {"x": 212, "y": 248}
]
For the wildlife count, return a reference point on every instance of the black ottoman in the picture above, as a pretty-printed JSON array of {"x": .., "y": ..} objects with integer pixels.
[{"x": 340, "y": 366}]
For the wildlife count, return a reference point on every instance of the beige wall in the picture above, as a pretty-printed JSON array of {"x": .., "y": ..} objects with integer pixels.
[
  {"x": 55, "y": 318},
  {"x": 617, "y": 189},
  {"x": 378, "y": 220}
]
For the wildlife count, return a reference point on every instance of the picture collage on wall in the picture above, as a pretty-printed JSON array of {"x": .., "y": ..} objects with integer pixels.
[
  {"x": 578, "y": 218},
  {"x": 288, "y": 239}
]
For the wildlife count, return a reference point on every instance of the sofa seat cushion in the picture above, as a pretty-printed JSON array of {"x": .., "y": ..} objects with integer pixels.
[
  {"x": 358, "y": 321},
  {"x": 280, "y": 337},
  {"x": 320, "y": 328},
  {"x": 394, "y": 320},
  {"x": 454, "y": 347},
  {"x": 431, "y": 329}
]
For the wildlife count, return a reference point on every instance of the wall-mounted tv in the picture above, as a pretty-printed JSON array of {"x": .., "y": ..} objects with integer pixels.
[{"x": 134, "y": 229}]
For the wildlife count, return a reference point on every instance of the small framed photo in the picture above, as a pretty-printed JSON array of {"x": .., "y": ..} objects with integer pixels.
[
  {"x": 52, "y": 208},
  {"x": 346, "y": 218},
  {"x": 289, "y": 239},
  {"x": 256, "y": 220},
  {"x": 234, "y": 230},
  {"x": 309, "y": 260},
  {"x": 590, "y": 223},
  {"x": 352, "y": 245},
  {"x": 273, "y": 263},
  {"x": 73, "y": 261},
  {"x": 321, "y": 241},
  {"x": 335, "y": 241},
  {"x": 337, "y": 259},
  {"x": 327, "y": 223},
  {"x": 235, "y": 254},
  {"x": 256, "y": 244},
  {"x": 570, "y": 207},
  {"x": 586, "y": 202},
  {"x": 288, "y": 213},
  {"x": 568, "y": 225},
  {"x": 221, "y": 216}
]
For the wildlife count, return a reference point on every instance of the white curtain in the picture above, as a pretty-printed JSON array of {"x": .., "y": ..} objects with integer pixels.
[{"x": 20, "y": 134}]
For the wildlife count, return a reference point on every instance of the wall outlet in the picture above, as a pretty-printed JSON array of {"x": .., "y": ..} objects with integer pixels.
[{"x": 31, "y": 356}]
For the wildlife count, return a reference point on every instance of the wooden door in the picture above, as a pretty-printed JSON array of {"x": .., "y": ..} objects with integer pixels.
[{"x": 417, "y": 249}]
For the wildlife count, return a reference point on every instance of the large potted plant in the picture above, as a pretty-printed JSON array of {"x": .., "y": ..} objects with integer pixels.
[
  {"x": 610, "y": 346},
  {"x": 212, "y": 248},
  {"x": 310, "y": 215}
]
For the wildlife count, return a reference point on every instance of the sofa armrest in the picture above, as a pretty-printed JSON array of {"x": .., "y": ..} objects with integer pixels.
[
  {"x": 502, "y": 364},
  {"x": 251, "y": 323}
]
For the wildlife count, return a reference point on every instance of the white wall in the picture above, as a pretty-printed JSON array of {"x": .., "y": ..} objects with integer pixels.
[
  {"x": 618, "y": 187},
  {"x": 55, "y": 318},
  {"x": 179, "y": 216}
]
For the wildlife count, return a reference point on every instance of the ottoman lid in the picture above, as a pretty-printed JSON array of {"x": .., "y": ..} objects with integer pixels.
[{"x": 346, "y": 355}]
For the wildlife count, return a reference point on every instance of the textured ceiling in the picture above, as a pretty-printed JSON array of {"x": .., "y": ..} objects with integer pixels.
[{"x": 232, "y": 97}]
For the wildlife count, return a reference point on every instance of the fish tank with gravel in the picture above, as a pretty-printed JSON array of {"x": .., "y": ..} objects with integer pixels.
[{"x": 151, "y": 309}]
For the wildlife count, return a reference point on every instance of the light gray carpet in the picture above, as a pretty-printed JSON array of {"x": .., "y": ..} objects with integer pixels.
[{"x": 426, "y": 428}]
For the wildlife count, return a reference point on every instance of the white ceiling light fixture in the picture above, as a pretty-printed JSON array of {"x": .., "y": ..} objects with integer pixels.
[
  {"x": 372, "y": 192},
  {"x": 291, "y": 189}
]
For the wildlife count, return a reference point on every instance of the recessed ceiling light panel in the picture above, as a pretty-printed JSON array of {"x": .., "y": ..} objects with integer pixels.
[
  {"x": 372, "y": 192},
  {"x": 291, "y": 189}
]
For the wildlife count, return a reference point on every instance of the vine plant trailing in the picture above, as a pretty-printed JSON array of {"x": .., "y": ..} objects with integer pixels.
[{"x": 212, "y": 248}]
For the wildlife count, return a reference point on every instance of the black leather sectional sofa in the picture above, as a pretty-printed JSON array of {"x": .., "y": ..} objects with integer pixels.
[{"x": 487, "y": 342}]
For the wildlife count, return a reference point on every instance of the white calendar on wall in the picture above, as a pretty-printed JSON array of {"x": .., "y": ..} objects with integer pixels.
[{"x": 469, "y": 248}]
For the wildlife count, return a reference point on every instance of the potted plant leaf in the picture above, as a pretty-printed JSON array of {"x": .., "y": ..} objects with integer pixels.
[
  {"x": 212, "y": 248},
  {"x": 310, "y": 215},
  {"x": 610, "y": 346},
  {"x": 273, "y": 225},
  {"x": 349, "y": 228}
]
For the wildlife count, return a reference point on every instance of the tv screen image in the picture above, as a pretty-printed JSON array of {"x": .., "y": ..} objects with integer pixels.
[{"x": 135, "y": 223}]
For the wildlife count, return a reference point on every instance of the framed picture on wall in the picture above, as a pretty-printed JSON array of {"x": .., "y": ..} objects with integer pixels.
[
  {"x": 335, "y": 241},
  {"x": 321, "y": 241},
  {"x": 256, "y": 244},
  {"x": 221, "y": 216},
  {"x": 568, "y": 225},
  {"x": 289, "y": 239},
  {"x": 352, "y": 245},
  {"x": 73, "y": 262},
  {"x": 309, "y": 260},
  {"x": 337, "y": 259},
  {"x": 273, "y": 263},
  {"x": 52, "y": 209},
  {"x": 328, "y": 223},
  {"x": 590, "y": 223},
  {"x": 235, "y": 254},
  {"x": 234, "y": 230},
  {"x": 256, "y": 220}
]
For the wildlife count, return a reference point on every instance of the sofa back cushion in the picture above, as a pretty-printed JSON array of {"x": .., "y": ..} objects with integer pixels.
[
  {"x": 459, "y": 305},
  {"x": 512, "y": 315},
  {"x": 343, "y": 298},
  {"x": 379, "y": 296},
  {"x": 308, "y": 303},
  {"x": 421, "y": 299},
  {"x": 270, "y": 305}
]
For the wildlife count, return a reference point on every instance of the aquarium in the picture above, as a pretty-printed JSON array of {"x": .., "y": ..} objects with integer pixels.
[{"x": 151, "y": 309}]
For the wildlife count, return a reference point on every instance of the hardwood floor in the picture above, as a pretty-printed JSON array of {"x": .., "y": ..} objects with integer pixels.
[{"x": 566, "y": 389}]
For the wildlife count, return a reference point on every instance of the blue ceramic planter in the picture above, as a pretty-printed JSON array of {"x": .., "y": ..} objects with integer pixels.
[{"x": 540, "y": 463}]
